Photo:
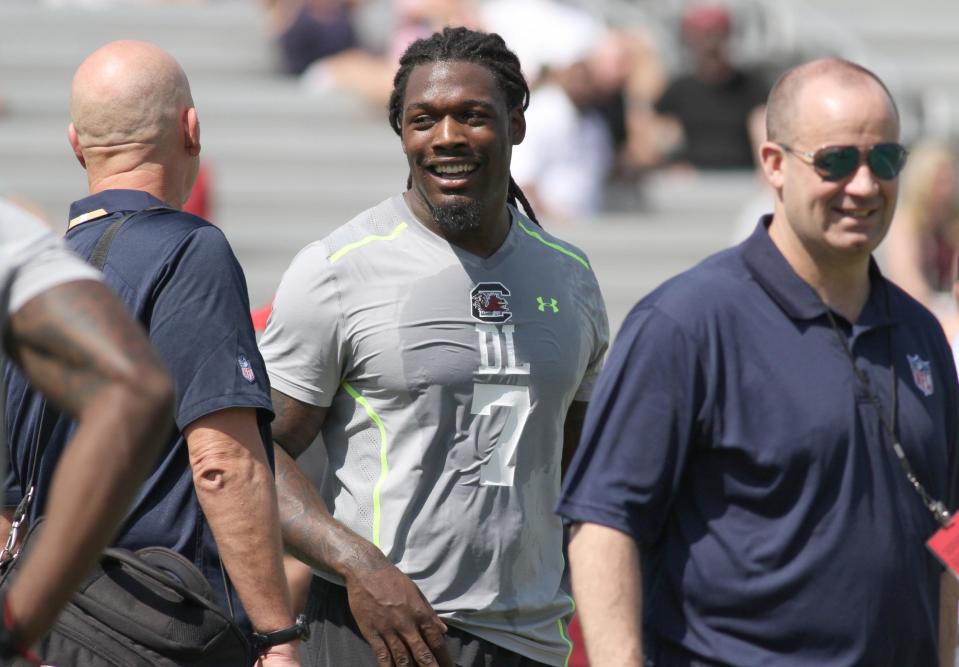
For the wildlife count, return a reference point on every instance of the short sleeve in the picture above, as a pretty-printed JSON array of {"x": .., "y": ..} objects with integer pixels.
[
  {"x": 33, "y": 258},
  {"x": 599, "y": 320},
  {"x": 303, "y": 345},
  {"x": 200, "y": 324},
  {"x": 639, "y": 429}
]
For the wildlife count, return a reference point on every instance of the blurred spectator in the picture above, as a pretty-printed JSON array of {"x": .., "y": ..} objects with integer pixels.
[
  {"x": 567, "y": 154},
  {"x": 370, "y": 75},
  {"x": 924, "y": 236},
  {"x": 629, "y": 77},
  {"x": 415, "y": 19},
  {"x": 716, "y": 108},
  {"x": 308, "y": 30}
]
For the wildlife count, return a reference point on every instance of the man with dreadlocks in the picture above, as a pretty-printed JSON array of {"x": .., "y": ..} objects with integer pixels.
[{"x": 444, "y": 345}]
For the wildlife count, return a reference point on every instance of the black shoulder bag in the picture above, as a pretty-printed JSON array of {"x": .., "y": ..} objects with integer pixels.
[{"x": 152, "y": 608}]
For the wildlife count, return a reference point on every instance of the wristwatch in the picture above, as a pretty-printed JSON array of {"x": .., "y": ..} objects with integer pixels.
[{"x": 299, "y": 630}]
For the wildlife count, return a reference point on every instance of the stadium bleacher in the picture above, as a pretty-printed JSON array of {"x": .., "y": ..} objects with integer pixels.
[{"x": 289, "y": 167}]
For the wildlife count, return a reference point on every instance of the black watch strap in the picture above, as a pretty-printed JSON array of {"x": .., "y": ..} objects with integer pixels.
[{"x": 299, "y": 630}]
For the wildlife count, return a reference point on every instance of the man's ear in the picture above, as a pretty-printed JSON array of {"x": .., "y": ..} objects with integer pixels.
[
  {"x": 191, "y": 131},
  {"x": 771, "y": 156},
  {"x": 517, "y": 125},
  {"x": 75, "y": 144}
]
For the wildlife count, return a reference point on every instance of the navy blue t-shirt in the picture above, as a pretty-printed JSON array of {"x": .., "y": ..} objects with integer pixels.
[
  {"x": 730, "y": 437},
  {"x": 179, "y": 277}
]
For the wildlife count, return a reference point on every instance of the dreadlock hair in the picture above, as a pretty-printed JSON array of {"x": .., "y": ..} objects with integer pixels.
[{"x": 464, "y": 45}]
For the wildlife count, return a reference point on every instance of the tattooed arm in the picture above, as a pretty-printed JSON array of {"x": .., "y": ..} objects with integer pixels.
[
  {"x": 391, "y": 612},
  {"x": 78, "y": 345}
]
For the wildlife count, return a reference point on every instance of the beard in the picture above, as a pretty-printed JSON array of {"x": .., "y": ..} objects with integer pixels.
[{"x": 457, "y": 219}]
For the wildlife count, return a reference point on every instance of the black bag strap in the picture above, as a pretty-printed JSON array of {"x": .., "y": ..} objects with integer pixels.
[
  {"x": 98, "y": 258},
  {"x": 20, "y": 513},
  {"x": 5, "y": 306},
  {"x": 40, "y": 443}
]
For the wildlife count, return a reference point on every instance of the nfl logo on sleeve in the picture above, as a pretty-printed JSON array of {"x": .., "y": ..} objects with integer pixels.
[
  {"x": 246, "y": 369},
  {"x": 921, "y": 373}
]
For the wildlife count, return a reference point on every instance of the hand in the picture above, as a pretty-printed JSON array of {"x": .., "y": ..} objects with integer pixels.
[
  {"x": 282, "y": 655},
  {"x": 394, "y": 617}
]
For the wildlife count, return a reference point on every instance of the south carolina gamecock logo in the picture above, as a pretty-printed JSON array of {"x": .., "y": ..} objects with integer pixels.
[{"x": 489, "y": 304}]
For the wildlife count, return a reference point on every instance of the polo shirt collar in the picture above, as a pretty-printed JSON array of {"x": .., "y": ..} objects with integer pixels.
[
  {"x": 794, "y": 295},
  {"x": 108, "y": 202}
]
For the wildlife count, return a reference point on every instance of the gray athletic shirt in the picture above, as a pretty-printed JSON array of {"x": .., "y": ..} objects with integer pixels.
[
  {"x": 447, "y": 377},
  {"x": 32, "y": 259}
]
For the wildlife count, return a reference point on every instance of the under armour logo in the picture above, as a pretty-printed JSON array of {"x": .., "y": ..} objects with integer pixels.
[{"x": 543, "y": 304}]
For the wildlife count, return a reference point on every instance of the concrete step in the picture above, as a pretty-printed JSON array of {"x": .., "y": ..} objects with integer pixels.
[
  {"x": 279, "y": 101},
  {"x": 224, "y": 36}
]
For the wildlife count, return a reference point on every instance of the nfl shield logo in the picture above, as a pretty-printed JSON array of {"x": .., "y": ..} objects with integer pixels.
[
  {"x": 921, "y": 373},
  {"x": 246, "y": 369}
]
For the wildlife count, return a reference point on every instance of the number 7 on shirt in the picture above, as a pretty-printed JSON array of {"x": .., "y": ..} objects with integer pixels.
[{"x": 498, "y": 468}]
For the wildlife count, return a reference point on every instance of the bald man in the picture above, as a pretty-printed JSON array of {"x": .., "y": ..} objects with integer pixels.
[
  {"x": 740, "y": 494},
  {"x": 211, "y": 497}
]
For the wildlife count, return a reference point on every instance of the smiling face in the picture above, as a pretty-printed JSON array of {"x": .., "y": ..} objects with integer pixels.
[
  {"x": 457, "y": 134},
  {"x": 832, "y": 222}
]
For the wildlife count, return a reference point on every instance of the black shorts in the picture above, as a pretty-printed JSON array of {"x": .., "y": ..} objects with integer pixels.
[{"x": 335, "y": 640}]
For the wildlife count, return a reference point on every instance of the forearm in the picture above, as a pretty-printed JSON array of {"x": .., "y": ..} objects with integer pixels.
[
  {"x": 309, "y": 530},
  {"x": 96, "y": 478},
  {"x": 235, "y": 488},
  {"x": 948, "y": 599},
  {"x": 607, "y": 586}
]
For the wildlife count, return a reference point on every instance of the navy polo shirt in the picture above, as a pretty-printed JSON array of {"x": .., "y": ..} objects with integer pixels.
[
  {"x": 730, "y": 437},
  {"x": 179, "y": 277}
]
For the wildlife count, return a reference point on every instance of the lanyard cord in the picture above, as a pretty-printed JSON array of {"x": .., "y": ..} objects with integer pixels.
[{"x": 938, "y": 510}]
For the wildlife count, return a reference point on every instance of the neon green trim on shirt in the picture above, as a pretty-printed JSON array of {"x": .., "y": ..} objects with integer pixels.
[
  {"x": 565, "y": 635},
  {"x": 349, "y": 247},
  {"x": 555, "y": 246},
  {"x": 384, "y": 464}
]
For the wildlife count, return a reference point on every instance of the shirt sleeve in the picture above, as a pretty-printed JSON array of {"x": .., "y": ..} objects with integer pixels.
[
  {"x": 639, "y": 429},
  {"x": 201, "y": 326},
  {"x": 33, "y": 258},
  {"x": 303, "y": 345}
]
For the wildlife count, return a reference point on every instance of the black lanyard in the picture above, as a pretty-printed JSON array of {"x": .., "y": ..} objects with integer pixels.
[{"x": 937, "y": 508}]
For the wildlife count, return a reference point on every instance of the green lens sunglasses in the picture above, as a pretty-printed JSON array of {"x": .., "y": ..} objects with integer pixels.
[{"x": 834, "y": 163}]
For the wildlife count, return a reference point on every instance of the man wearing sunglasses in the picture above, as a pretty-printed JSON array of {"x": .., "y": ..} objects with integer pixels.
[{"x": 774, "y": 436}]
